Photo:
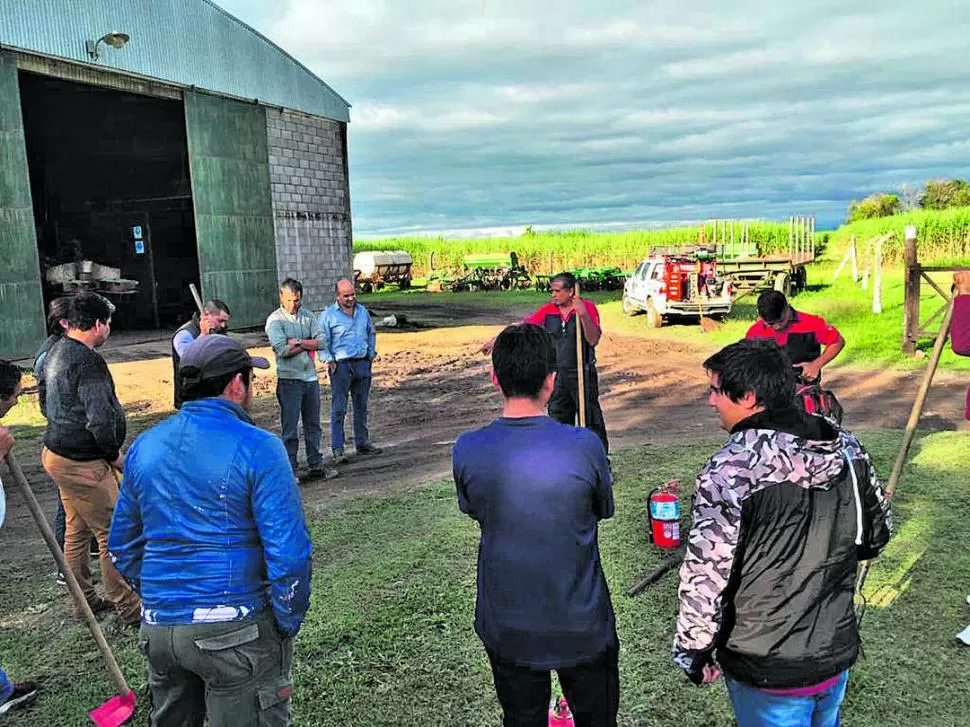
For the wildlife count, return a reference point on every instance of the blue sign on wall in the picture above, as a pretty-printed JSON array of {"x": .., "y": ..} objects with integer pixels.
[
  {"x": 136, "y": 232},
  {"x": 139, "y": 247}
]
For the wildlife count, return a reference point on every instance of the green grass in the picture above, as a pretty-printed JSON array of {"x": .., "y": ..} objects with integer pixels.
[{"x": 389, "y": 637}]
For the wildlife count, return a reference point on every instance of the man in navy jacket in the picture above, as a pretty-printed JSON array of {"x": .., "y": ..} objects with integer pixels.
[
  {"x": 209, "y": 529},
  {"x": 538, "y": 489}
]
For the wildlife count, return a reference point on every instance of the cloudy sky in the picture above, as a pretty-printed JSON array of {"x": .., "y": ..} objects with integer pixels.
[{"x": 485, "y": 116}]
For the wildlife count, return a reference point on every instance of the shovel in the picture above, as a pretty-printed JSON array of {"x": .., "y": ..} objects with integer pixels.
[
  {"x": 708, "y": 325},
  {"x": 117, "y": 710},
  {"x": 580, "y": 373}
]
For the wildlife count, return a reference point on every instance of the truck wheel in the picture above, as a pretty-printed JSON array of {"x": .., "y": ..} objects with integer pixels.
[
  {"x": 628, "y": 307},
  {"x": 783, "y": 284},
  {"x": 654, "y": 319}
]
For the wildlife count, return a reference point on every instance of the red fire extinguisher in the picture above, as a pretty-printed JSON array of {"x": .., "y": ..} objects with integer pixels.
[{"x": 663, "y": 512}]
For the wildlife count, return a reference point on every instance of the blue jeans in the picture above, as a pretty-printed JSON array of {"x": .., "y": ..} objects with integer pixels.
[
  {"x": 351, "y": 377},
  {"x": 756, "y": 708},
  {"x": 300, "y": 398}
]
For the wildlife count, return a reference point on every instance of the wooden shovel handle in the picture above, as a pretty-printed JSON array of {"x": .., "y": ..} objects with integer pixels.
[
  {"x": 72, "y": 584},
  {"x": 912, "y": 423},
  {"x": 580, "y": 372},
  {"x": 196, "y": 297}
]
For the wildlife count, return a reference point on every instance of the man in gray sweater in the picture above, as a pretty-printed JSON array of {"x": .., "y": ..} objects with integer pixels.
[
  {"x": 295, "y": 337},
  {"x": 82, "y": 448}
]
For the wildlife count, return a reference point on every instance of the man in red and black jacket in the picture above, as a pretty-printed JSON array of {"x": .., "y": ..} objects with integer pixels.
[
  {"x": 558, "y": 317},
  {"x": 800, "y": 335}
]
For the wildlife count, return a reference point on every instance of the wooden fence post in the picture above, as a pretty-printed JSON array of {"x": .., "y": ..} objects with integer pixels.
[
  {"x": 877, "y": 278},
  {"x": 911, "y": 304},
  {"x": 855, "y": 263}
]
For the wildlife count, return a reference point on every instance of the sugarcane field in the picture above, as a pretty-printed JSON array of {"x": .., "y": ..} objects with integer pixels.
[{"x": 462, "y": 365}]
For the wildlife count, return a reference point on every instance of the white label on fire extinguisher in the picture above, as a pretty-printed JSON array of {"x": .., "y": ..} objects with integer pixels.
[
  {"x": 665, "y": 510},
  {"x": 672, "y": 531}
]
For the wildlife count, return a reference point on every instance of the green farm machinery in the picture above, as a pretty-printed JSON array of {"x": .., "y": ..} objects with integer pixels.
[
  {"x": 496, "y": 271},
  {"x": 605, "y": 278}
]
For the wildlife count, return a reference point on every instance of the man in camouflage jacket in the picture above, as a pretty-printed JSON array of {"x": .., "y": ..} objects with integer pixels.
[{"x": 782, "y": 515}]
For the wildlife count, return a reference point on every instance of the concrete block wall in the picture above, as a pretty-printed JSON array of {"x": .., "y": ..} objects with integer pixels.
[{"x": 311, "y": 202}]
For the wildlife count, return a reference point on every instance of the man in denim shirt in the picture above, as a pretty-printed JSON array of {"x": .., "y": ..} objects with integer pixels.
[
  {"x": 349, "y": 347},
  {"x": 209, "y": 529},
  {"x": 295, "y": 338}
]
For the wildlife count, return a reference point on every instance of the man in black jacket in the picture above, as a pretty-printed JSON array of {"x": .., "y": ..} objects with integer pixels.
[
  {"x": 82, "y": 447},
  {"x": 782, "y": 515}
]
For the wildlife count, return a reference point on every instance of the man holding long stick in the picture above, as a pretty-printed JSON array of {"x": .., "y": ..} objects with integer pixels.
[{"x": 558, "y": 317}]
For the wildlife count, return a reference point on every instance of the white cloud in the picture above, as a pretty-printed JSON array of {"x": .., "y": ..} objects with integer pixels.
[{"x": 513, "y": 112}]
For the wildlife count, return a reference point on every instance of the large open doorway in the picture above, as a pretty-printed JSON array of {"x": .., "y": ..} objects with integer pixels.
[{"x": 109, "y": 177}]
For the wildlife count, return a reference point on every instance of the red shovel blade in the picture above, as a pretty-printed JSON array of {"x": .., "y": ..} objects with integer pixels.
[{"x": 115, "y": 712}]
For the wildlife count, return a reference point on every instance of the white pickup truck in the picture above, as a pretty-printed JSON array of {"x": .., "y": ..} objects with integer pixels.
[{"x": 681, "y": 285}]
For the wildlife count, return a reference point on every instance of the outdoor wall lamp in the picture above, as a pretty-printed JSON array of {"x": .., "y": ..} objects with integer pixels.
[{"x": 114, "y": 39}]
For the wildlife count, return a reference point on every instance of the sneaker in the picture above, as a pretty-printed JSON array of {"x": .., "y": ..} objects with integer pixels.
[
  {"x": 23, "y": 695},
  {"x": 61, "y": 579},
  {"x": 964, "y": 636},
  {"x": 339, "y": 457},
  {"x": 368, "y": 449}
]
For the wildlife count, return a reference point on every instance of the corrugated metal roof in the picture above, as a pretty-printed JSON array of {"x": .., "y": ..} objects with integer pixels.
[{"x": 188, "y": 42}]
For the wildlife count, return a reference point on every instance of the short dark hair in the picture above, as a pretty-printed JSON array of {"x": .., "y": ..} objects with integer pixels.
[
  {"x": 58, "y": 310},
  {"x": 10, "y": 376},
  {"x": 756, "y": 366},
  {"x": 292, "y": 285},
  {"x": 772, "y": 305},
  {"x": 211, "y": 388},
  {"x": 87, "y": 309},
  {"x": 568, "y": 280},
  {"x": 523, "y": 356},
  {"x": 215, "y": 305}
]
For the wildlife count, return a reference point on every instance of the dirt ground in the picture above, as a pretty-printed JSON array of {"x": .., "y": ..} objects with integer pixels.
[{"x": 431, "y": 383}]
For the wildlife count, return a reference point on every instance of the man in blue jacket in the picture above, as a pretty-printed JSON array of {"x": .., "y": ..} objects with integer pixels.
[{"x": 209, "y": 529}]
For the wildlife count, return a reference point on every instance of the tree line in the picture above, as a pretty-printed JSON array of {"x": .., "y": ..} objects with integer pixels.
[{"x": 937, "y": 194}]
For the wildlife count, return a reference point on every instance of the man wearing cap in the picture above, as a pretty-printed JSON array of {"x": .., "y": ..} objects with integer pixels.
[{"x": 209, "y": 529}]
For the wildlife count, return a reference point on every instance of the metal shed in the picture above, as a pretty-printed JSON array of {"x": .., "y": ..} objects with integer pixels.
[{"x": 197, "y": 152}]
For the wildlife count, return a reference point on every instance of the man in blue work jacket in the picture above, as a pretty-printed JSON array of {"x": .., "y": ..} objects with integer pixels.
[
  {"x": 209, "y": 530},
  {"x": 349, "y": 348}
]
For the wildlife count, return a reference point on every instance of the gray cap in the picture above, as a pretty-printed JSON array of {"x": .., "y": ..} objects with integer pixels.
[{"x": 209, "y": 357}]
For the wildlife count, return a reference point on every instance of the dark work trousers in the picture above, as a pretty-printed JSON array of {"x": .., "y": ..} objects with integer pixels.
[
  {"x": 564, "y": 404},
  {"x": 592, "y": 690},
  {"x": 352, "y": 378},
  {"x": 237, "y": 673},
  {"x": 300, "y": 399}
]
